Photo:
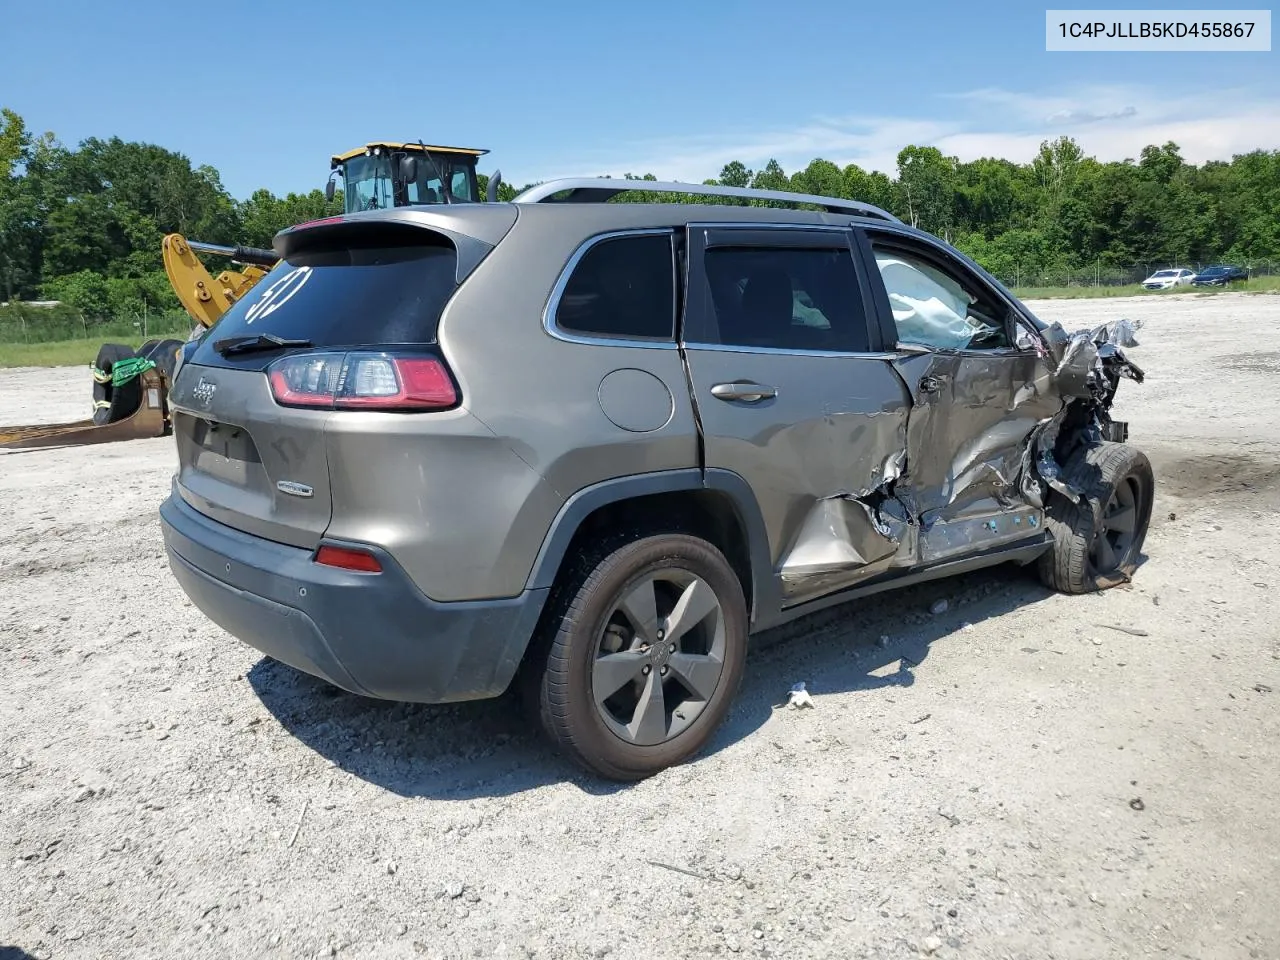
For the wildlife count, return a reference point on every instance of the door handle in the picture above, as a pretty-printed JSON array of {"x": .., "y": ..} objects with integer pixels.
[
  {"x": 930, "y": 384},
  {"x": 743, "y": 390}
]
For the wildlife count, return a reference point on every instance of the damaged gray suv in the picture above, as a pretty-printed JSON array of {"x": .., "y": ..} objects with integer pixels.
[{"x": 586, "y": 448}]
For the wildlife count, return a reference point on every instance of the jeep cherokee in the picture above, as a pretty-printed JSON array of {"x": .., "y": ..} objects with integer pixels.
[{"x": 586, "y": 448}]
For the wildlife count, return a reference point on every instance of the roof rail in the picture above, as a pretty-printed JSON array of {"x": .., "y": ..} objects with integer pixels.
[{"x": 600, "y": 189}]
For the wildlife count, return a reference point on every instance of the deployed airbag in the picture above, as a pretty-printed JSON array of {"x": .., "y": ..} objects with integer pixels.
[{"x": 928, "y": 306}]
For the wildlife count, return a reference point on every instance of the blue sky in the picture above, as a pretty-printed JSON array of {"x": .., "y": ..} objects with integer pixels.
[{"x": 267, "y": 91}]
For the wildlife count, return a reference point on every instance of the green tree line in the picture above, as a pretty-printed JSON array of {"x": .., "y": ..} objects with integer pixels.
[
  {"x": 1063, "y": 212},
  {"x": 83, "y": 224}
]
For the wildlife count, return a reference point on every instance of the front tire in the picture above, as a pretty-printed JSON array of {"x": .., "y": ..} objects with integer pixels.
[
  {"x": 645, "y": 656},
  {"x": 1097, "y": 542}
]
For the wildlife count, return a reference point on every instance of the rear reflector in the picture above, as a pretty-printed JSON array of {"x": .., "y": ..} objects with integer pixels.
[
  {"x": 362, "y": 381},
  {"x": 347, "y": 559}
]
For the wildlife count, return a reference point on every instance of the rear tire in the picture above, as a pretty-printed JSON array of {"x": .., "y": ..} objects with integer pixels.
[
  {"x": 627, "y": 693},
  {"x": 110, "y": 403},
  {"x": 1097, "y": 542}
]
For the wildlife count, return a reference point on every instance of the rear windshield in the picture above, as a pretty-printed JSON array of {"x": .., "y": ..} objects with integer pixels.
[{"x": 367, "y": 296}]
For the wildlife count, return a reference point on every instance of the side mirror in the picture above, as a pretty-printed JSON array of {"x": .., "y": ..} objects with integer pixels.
[
  {"x": 408, "y": 169},
  {"x": 329, "y": 189},
  {"x": 495, "y": 181}
]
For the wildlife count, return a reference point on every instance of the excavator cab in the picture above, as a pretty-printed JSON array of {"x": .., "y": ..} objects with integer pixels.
[{"x": 381, "y": 175}]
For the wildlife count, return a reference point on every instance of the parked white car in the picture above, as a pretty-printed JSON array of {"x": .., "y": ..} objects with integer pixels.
[{"x": 1165, "y": 279}]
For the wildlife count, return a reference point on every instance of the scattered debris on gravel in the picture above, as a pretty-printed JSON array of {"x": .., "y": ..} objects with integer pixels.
[{"x": 799, "y": 696}]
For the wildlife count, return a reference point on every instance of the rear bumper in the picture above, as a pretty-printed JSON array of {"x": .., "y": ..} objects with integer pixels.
[{"x": 373, "y": 634}]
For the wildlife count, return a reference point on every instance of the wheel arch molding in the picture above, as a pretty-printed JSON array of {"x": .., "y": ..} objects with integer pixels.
[{"x": 672, "y": 498}]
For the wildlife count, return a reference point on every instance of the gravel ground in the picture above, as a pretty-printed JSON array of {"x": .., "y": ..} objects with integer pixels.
[{"x": 1023, "y": 775}]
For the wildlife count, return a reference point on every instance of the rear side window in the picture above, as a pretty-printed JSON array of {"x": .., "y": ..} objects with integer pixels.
[
  {"x": 785, "y": 298},
  {"x": 622, "y": 287},
  {"x": 364, "y": 296}
]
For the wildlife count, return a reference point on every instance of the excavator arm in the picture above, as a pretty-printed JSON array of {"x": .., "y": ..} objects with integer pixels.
[{"x": 203, "y": 296}]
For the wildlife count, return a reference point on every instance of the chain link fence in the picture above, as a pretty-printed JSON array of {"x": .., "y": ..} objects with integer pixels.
[{"x": 50, "y": 322}]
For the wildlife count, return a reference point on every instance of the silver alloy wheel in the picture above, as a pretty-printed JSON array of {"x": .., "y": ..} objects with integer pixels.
[
  {"x": 660, "y": 657},
  {"x": 1115, "y": 536}
]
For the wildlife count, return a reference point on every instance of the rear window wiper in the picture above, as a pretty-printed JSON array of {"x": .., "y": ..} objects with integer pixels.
[{"x": 256, "y": 343}]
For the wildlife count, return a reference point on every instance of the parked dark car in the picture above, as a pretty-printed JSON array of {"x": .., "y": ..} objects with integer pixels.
[{"x": 1218, "y": 276}]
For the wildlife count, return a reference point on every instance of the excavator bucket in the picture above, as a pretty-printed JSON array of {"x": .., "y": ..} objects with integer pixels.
[
  {"x": 149, "y": 420},
  {"x": 205, "y": 298}
]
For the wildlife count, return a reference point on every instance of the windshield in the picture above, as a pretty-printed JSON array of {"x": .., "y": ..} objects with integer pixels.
[
  {"x": 369, "y": 184},
  {"x": 1165, "y": 273}
]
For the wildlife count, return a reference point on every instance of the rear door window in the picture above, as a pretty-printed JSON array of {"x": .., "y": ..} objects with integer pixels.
[
  {"x": 345, "y": 297},
  {"x": 783, "y": 298}
]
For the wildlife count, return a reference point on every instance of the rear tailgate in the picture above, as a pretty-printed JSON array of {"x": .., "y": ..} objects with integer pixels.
[
  {"x": 258, "y": 465},
  {"x": 238, "y": 454}
]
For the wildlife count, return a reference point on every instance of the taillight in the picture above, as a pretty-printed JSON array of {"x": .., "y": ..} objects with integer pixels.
[
  {"x": 361, "y": 381},
  {"x": 306, "y": 379},
  {"x": 348, "y": 559}
]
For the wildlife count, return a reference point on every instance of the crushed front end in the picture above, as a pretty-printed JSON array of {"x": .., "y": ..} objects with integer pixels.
[{"x": 1090, "y": 364}]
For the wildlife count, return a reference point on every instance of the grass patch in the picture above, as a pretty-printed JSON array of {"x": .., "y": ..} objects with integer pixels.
[
  {"x": 1255, "y": 285},
  {"x": 59, "y": 353}
]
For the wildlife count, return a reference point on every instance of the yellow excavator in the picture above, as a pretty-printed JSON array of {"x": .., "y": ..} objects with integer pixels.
[
  {"x": 131, "y": 387},
  {"x": 375, "y": 176}
]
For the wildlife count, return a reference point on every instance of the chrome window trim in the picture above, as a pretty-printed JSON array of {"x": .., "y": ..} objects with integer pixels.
[
  {"x": 778, "y": 351},
  {"x": 553, "y": 302},
  {"x": 841, "y": 228}
]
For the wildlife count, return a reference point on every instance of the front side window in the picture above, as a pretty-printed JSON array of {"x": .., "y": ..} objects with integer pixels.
[
  {"x": 933, "y": 307},
  {"x": 622, "y": 287},
  {"x": 784, "y": 298}
]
